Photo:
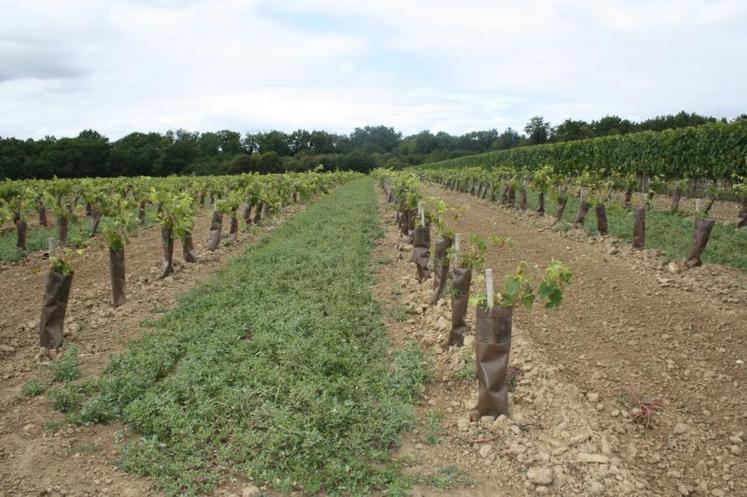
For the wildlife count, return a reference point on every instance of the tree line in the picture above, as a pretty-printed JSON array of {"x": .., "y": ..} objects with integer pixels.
[{"x": 91, "y": 154}]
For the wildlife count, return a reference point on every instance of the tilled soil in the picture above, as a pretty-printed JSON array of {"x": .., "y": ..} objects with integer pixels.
[
  {"x": 39, "y": 453},
  {"x": 630, "y": 330},
  {"x": 629, "y": 327}
]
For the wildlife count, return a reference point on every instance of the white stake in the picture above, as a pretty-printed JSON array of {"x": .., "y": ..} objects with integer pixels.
[
  {"x": 456, "y": 249},
  {"x": 489, "y": 286},
  {"x": 422, "y": 217},
  {"x": 52, "y": 243},
  {"x": 698, "y": 204}
]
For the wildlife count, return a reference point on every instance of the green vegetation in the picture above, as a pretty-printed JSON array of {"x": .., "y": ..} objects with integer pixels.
[
  {"x": 715, "y": 150},
  {"x": 433, "y": 428},
  {"x": 667, "y": 232},
  {"x": 65, "y": 399},
  {"x": 33, "y": 388},
  {"x": 399, "y": 312},
  {"x": 447, "y": 477},
  {"x": 277, "y": 368},
  {"x": 53, "y": 426},
  {"x": 67, "y": 367},
  {"x": 38, "y": 236}
]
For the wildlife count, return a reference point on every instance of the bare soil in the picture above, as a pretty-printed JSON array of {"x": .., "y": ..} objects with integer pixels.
[
  {"x": 629, "y": 330},
  {"x": 39, "y": 453}
]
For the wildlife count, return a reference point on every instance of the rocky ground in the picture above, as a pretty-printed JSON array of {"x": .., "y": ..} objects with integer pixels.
[{"x": 633, "y": 333}]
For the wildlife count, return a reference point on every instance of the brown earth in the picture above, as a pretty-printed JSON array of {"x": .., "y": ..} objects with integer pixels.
[
  {"x": 628, "y": 328},
  {"x": 39, "y": 453}
]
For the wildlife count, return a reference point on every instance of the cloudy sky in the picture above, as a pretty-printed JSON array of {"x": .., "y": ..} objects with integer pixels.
[{"x": 120, "y": 66}]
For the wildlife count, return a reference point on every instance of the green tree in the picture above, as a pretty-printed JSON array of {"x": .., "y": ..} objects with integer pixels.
[
  {"x": 572, "y": 130},
  {"x": 537, "y": 130}
]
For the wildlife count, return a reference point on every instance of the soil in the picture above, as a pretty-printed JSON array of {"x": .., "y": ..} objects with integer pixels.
[
  {"x": 629, "y": 331},
  {"x": 39, "y": 453},
  {"x": 631, "y": 328}
]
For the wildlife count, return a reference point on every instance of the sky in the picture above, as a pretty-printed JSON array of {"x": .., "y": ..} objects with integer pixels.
[{"x": 206, "y": 65}]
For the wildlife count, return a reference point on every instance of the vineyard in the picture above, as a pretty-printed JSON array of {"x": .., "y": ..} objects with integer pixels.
[{"x": 563, "y": 319}]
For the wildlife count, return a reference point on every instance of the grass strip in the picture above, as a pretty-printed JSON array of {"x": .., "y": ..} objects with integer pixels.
[
  {"x": 669, "y": 233},
  {"x": 277, "y": 369}
]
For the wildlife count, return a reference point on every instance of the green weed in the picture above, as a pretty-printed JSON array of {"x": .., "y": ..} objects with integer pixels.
[
  {"x": 400, "y": 313},
  {"x": 447, "y": 477},
  {"x": 277, "y": 368},
  {"x": 65, "y": 399},
  {"x": 34, "y": 388},
  {"x": 433, "y": 428},
  {"x": 67, "y": 366},
  {"x": 53, "y": 426}
]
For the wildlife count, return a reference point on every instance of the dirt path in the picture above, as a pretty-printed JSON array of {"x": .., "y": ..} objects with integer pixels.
[
  {"x": 627, "y": 328},
  {"x": 39, "y": 454}
]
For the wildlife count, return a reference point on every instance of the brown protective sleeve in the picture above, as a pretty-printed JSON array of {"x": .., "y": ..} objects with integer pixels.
[
  {"x": 62, "y": 224},
  {"x": 188, "y": 248},
  {"x": 676, "y": 195},
  {"x": 43, "y": 216},
  {"x": 703, "y": 228},
  {"x": 639, "y": 228},
  {"x": 440, "y": 268},
  {"x": 460, "y": 282},
  {"x": 21, "y": 230},
  {"x": 216, "y": 224},
  {"x": 583, "y": 209},
  {"x": 561, "y": 209},
  {"x": 167, "y": 242},
  {"x": 141, "y": 212},
  {"x": 117, "y": 271},
  {"x": 602, "y": 226},
  {"x": 234, "y": 226},
  {"x": 511, "y": 197},
  {"x": 421, "y": 251},
  {"x": 54, "y": 306},
  {"x": 492, "y": 350},
  {"x": 95, "y": 221},
  {"x": 247, "y": 214},
  {"x": 258, "y": 212}
]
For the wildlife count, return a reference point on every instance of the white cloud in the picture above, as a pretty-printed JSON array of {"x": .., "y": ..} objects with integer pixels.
[{"x": 120, "y": 66}]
